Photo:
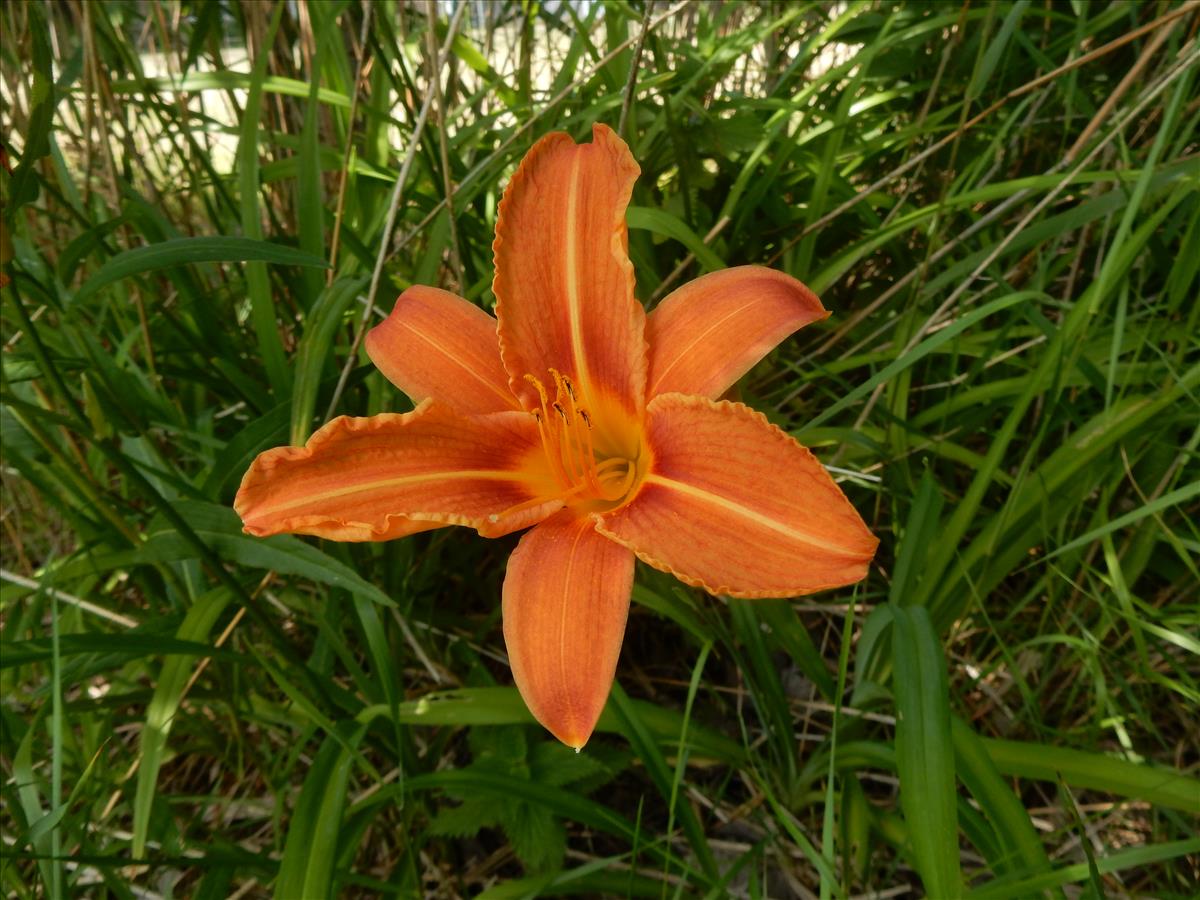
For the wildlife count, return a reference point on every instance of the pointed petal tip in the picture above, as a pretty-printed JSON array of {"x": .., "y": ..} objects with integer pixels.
[
  {"x": 725, "y": 479},
  {"x": 710, "y": 332},
  {"x": 571, "y": 725},
  {"x": 575, "y": 738},
  {"x": 565, "y": 603}
]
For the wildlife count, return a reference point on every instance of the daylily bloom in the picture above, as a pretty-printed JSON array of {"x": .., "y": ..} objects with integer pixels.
[{"x": 574, "y": 414}]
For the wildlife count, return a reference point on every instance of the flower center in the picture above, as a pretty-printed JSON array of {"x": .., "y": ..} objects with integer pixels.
[
  {"x": 583, "y": 474},
  {"x": 566, "y": 431}
]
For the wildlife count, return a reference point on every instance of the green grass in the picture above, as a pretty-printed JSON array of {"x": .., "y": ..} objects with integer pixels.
[{"x": 1000, "y": 203}]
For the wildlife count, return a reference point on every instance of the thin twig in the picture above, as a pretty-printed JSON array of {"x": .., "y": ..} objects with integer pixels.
[
  {"x": 935, "y": 320},
  {"x": 1000, "y": 208},
  {"x": 631, "y": 86},
  {"x": 195, "y": 676},
  {"x": 1131, "y": 77},
  {"x": 69, "y": 599},
  {"x": 689, "y": 259},
  {"x": 435, "y": 81},
  {"x": 344, "y": 177},
  {"x": 415, "y": 646},
  {"x": 949, "y": 247}
]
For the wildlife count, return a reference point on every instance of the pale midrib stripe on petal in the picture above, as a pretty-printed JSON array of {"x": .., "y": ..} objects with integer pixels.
[
  {"x": 463, "y": 474},
  {"x": 697, "y": 340},
  {"x": 562, "y": 622},
  {"x": 575, "y": 314},
  {"x": 745, "y": 512},
  {"x": 507, "y": 396}
]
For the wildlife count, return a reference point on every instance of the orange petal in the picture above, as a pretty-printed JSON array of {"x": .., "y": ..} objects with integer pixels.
[
  {"x": 388, "y": 476},
  {"x": 437, "y": 345},
  {"x": 564, "y": 283},
  {"x": 566, "y": 598},
  {"x": 733, "y": 505},
  {"x": 709, "y": 333}
]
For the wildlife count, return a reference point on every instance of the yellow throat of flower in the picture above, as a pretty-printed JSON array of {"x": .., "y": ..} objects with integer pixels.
[{"x": 586, "y": 473}]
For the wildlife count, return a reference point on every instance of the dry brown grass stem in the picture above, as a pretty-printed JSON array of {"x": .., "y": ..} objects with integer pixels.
[
  {"x": 1008, "y": 202},
  {"x": 340, "y": 205},
  {"x": 634, "y": 65}
]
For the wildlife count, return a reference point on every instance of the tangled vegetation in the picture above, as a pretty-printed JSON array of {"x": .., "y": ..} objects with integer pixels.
[{"x": 206, "y": 202}]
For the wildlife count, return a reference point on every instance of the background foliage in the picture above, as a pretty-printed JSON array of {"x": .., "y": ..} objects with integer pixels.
[{"x": 997, "y": 201}]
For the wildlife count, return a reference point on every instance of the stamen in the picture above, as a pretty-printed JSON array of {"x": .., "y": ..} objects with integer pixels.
[
  {"x": 535, "y": 501},
  {"x": 577, "y": 449},
  {"x": 544, "y": 427},
  {"x": 591, "y": 451},
  {"x": 567, "y": 454},
  {"x": 542, "y": 395},
  {"x": 565, "y": 432},
  {"x": 558, "y": 383}
]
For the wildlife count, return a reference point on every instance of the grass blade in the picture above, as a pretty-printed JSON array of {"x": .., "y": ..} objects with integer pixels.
[
  {"x": 160, "y": 714},
  {"x": 262, "y": 305},
  {"x": 183, "y": 251},
  {"x": 310, "y": 852},
  {"x": 1024, "y": 854},
  {"x": 924, "y": 752}
]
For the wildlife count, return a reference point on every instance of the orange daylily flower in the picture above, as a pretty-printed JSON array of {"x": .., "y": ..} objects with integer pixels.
[{"x": 577, "y": 414}]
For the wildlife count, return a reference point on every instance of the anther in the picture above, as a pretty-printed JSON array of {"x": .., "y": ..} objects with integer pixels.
[
  {"x": 558, "y": 379},
  {"x": 540, "y": 389}
]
